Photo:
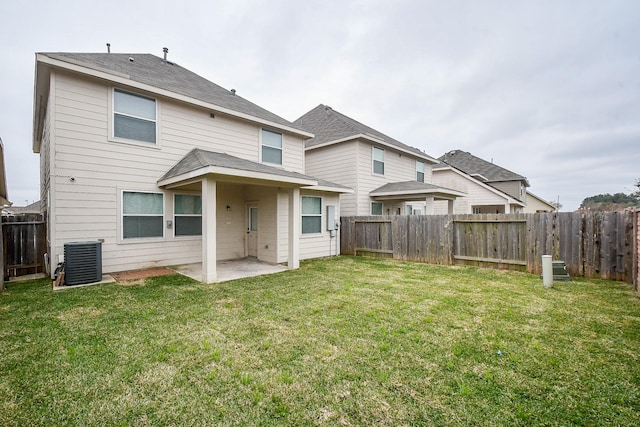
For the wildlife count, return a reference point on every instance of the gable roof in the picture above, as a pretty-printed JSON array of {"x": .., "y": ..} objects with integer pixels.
[
  {"x": 330, "y": 127},
  {"x": 154, "y": 74},
  {"x": 478, "y": 168},
  {"x": 198, "y": 162},
  {"x": 198, "y": 158}
]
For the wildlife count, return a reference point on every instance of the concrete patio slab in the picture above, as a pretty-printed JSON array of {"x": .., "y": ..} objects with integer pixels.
[{"x": 232, "y": 269}]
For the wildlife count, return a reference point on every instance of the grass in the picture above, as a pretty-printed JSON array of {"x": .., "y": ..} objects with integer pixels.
[{"x": 341, "y": 341}]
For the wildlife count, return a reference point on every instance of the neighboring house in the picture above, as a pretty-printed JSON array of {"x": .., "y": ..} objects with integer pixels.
[
  {"x": 489, "y": 187},
  {"x": 168, "y": 168},
  {"x": 387, "y": 176},
  {"x": 536, "y": 204},
  {"x": 33, "y": 208}
]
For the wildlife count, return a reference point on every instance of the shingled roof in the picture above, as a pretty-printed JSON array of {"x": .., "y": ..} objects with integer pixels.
[
  {"x": 329, "y": 125},
  {"x": 154, "y": 71},
  {"x": 198, "y": 159},
  {"x": 477, "y": 167},
  {"x": 414, "y": 189}
]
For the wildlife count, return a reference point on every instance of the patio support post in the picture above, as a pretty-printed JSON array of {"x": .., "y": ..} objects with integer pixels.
[
  {"x": 209, "y": 238},
  {"x": 507, "y": 208},
  {"x": 450, "y": 207},
  {"x": 294, "y": 228},
  {"x": 429, "y": 202}
]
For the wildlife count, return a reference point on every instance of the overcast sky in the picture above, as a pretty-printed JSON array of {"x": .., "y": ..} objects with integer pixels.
[{"x": 547, "y": 89}]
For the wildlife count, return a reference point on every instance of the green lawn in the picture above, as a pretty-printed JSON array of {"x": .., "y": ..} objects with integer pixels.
[{"x": 341, "y": 341}]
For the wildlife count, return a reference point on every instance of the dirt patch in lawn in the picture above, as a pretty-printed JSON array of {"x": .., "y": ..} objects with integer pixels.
[{"x": 138, "y": 276}]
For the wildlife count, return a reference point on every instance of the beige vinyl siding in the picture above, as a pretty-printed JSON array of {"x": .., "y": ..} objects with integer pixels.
[
  {"x": 311, "y": 245},
  {"x": 89, "y": 207},
  {"x": 336, "y": 163},
  {"x": 45, "y": 164},
  {"x": 512, "y": 188},
  {"x": 283, "y": 226},
  {"x": 321, "y": 244},
  {"x": 293, "y": 156},
  {"x": 476, "y": 194},
  {"x": 267, "y": 224},
  {"x": 231, "y": 225},
  {"x": 397, "y": 167},
  {"x": 534, "y": 204}
]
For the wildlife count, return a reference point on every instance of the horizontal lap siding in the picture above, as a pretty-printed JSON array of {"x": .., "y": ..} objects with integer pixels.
[
  {"x": 336, "y": 164},
  {"x": 476, "y": 195},
  {"x": 397, "y": 167},
  {"x": 322, "y": 244},
  {"x": 232, "y": 223},
  {"x": 510, "y": 187}
]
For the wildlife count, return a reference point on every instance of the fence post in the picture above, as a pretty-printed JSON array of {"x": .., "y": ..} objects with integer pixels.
[
  {"x": 636, "y": 250},
  {"x": 1, "y": 254}
]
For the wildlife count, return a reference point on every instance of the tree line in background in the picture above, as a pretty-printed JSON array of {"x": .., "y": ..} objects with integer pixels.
[{"x": 613, "y": 202}]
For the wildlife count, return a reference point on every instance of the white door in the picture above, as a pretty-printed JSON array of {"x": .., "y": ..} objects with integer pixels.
[{"x": 252, "y": 231}]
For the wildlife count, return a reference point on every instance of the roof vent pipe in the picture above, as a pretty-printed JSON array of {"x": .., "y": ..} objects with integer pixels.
[
  {"x": 165, "y": 50},
  {"x": 233, "y": 91},
  {"x": 108, "y": 47}
]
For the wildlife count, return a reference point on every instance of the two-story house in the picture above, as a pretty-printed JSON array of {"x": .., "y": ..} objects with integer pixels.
[
  {"x": 387, "y": 176},
  {"x": 489, "y": 188},
  {"x": 167, "y": 168}
]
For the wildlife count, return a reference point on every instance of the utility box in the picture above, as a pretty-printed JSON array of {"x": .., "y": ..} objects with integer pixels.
[
  {"x": 83, "y": 263},
  {"x": 331, "y": 218},
  {"x": 560, "y": 271}
]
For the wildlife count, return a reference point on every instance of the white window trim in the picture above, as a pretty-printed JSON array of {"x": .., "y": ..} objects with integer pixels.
[
  {"x": 121, "y": 238},
  {"x": 264, "y": 145},
  {"x": 371, "y": 208},
  {"x": 302, "y": 215},
  {"x": 112, "y": 134},
  {"x": 373, "y": 160},
  {"x": 173, "y": 201}
]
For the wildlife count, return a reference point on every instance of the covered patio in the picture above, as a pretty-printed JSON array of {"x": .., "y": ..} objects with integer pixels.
[
  {"x": 414, "y": 191},
  {"x": 250, "y": 213}
]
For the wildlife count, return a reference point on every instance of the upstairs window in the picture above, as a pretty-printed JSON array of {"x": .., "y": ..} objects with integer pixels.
[
  {"x": 311, "y": 215},
  {"x": 419, "y": 171},
  {"x": 187, "y": 215},
  {"x": 142, "y": 215},
  {"x": 134, "y": 117},
  {"x": 378, "y": 161},
  {"x": 271, "y": 147}
]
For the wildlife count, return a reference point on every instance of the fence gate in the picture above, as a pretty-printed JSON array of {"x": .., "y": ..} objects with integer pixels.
[{"x": 24, "y": 244}]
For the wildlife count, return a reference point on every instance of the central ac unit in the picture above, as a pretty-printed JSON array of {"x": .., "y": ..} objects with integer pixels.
[{"x": 83, "y": 263}]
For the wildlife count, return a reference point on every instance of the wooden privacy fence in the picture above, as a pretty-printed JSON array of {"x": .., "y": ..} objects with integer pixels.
[
  {"x": 592, "y": 244},
  {"x": 24, "y": 244}
]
